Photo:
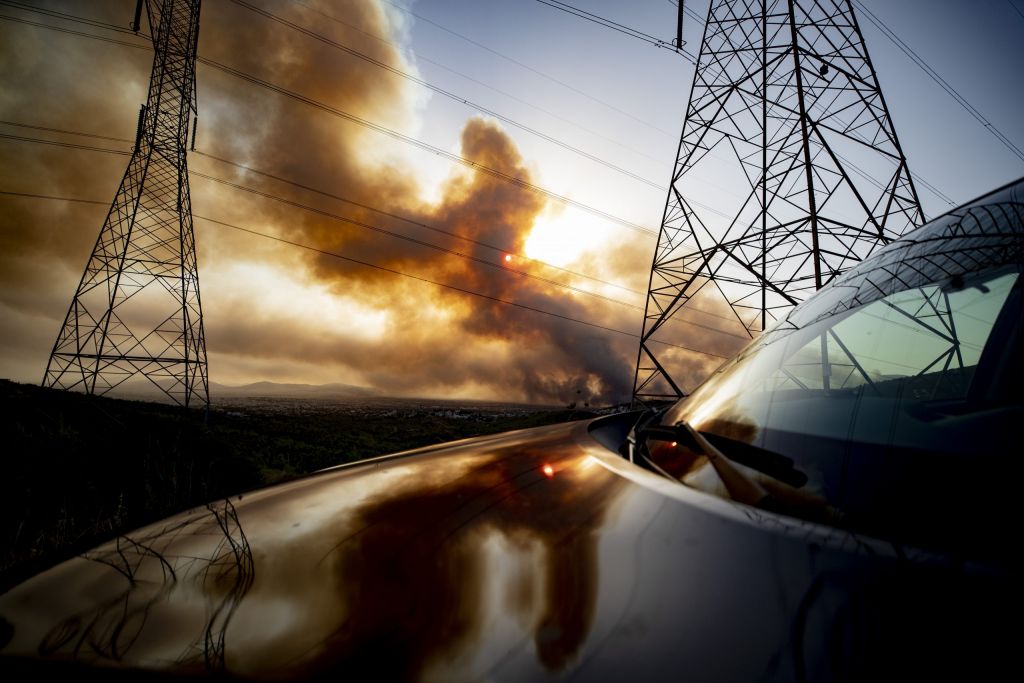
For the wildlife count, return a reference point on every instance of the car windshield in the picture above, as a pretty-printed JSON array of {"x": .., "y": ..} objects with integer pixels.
[{"x": 894, "y": 391}]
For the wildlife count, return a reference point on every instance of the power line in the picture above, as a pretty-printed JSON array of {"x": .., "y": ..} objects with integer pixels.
[
  {"x": 419, "y": 57},
  {"x": 417, "y": 223},
  {"x": 361, "y": 224},
  {"x": 415, "y": 142},
  {"x": 932, "y": 188},
  {"x": 330, "y": 195},
  {"x": 950, "y": 90},
  {"x": 376, "y": 127},
  {"x": 259, "y": 82},
  {"x": 621, "y": 28},
  {"x": 64, "y": 131},
  {"x": 501, "y": 117},
  {"x": 106, "y": 25},
  {"x": 406, "y": 238},
  {"x": 83, "y": 34},
  {"x": 63, "y": 15},
  {"x": 273, "y": 87},
  {"x": 689, "y": 12},
  {"x": 445, "y": 93},
  {"x": 308, "y": 188},
  {"x": 453, "y": 287},
  {"x": 50, "y": 196},
  {"x": 1015, "y": 8},
  {"x": 66, "y": 145},
  {"x": 400, "y": 136},
  {"x": 530, "y": 69},
  {"x": 322, "y": 212},
  {"x": 525, "y": 184},
  {"x": 446, "y": 250},
  {"x": 392, "y": 271}
]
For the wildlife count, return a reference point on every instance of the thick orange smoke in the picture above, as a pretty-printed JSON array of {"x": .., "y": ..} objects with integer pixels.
[{"x": 277, "y": 312}]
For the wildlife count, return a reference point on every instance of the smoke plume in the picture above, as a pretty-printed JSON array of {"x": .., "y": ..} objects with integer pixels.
[{"x": 278, "y": 312}]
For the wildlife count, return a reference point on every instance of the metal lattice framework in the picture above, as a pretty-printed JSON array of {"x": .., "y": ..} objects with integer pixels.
[
  {"x": 787, "y": 115},
  {"x": 137, "y": 311}
]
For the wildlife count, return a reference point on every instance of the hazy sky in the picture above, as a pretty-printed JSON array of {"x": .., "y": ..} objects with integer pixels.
[{"x": 277, "y": 312}]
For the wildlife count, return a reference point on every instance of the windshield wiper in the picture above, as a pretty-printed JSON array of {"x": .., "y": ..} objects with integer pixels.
[
  {"x": 773, "y": 464},
  {"x": 741, "y": 488},
  {"x": 782, "y": 495}
]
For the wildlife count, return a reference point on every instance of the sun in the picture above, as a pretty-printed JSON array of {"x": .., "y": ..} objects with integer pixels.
[{"x": 563, "y": 238}]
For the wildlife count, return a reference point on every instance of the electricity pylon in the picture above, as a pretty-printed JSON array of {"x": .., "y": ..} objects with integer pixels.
[
  {"x": 787, "y": 115},
  {"x": 137, "y": 311}
]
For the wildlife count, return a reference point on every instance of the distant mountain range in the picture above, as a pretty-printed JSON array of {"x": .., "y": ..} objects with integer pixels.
[
  {"x": 145, "y": 391},
  {"x": 276, "y": 390}
]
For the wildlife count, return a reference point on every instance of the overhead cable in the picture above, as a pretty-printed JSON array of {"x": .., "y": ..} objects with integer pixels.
[
  {"x": 63, "y": 15},
  {"x": 412, "y": 221},
  {"x": 1015, "y": 8},
  {"x": 621, "y": 28},
  {"x": 942, "y": 83},
  {"x": 514, "y": 180},
  {"x": 445, "y": 93},
  {"x": 529, "y": 68},
  {"x": 415, "y": 142},
  {"x": 393, "y": 271},
  {"x": 357, "y": 223},
  {"x": 419, "y": 57},
  {"x": 278, "y": 178},
  {"x": 437, "y": 247}
]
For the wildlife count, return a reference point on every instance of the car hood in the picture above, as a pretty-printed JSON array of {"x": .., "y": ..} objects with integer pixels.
[{"x": 529, "y": 555}]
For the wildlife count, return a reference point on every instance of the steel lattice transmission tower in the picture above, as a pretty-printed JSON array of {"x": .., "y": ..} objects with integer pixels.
[
  {"x": 136, "y": 311},
  {"x": 786, "y": 114}
]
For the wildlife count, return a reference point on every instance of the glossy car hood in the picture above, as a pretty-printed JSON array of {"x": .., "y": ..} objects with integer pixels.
[{"x": 525, "y": 556}]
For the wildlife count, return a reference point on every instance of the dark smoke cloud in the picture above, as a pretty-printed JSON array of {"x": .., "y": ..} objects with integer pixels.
[{"x": 434, "y": 341}]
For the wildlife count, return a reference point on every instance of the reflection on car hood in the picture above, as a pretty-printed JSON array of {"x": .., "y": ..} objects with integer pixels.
[{"x": 530, "y": 555}]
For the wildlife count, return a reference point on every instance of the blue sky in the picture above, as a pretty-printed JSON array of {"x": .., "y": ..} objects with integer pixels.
[{"x": 977, "y": 47}]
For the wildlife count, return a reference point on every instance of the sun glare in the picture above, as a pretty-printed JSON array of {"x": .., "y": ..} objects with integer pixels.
[{"x": 562, "y": 239}]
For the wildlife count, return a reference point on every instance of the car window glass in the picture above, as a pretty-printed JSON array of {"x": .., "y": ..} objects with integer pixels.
[{"x": 925, "y": 332}]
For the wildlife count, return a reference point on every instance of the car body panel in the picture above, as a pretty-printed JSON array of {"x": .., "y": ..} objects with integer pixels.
[{"x": 474, "y": 561}]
